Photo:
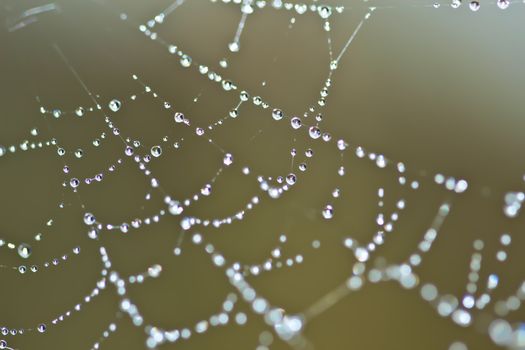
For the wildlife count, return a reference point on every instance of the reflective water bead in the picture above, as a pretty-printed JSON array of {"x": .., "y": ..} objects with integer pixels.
[
  {"x": 178, "y": 117},
  {"x": 74, "y": 182},
  {"x": 175, "y": 208},
  {"x": 124, "y": 227},
  {"x": 234, "y": 113},
  {"x": 206, "y": 190},
  {"x": 57, "y": 113},
  {"x": 503, "y": 4},
  {"x": 324, "y": 11},
  {"x": 41, "y": 328},
  {"x": 156, "y": 151},
  {"x": 24, "y": 250},
  {"x": 89, "y": 219},
  {"x": 277, "y": 114},
  {"x": 228, "y": 159},
  {"x": 455, "y": 4},
  {"x": 227, "y": 85},
  {"x": 233, "y": 46},
  {"x": 128, "y": 151},
  {"x": 79, "y": 153},
  {"x": 185, "y": 61},
  {"x": 291, "y": 179},
  {"x": 309, "y": 153},
  {"x": 295, "y": 122},
  {"x": 244, "y": 96},
  {"x": 314, "y": 132},
  {"x": 474, "y": 5},
  {"x": 328, "y": 212},
  {"x": 114, "y": 105},
  {"x": 93, "y": 233},
  {"x": 79, "y": 111}
]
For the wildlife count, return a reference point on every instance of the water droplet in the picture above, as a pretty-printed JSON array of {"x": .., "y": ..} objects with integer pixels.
[
  {"x": 114, "y": 105},
  {"x": 247, "y": 8},
  {"x": 156, "y": 151},
  {"x": 24, "y": 250},
  {"x": 314, "y": 132},
  {"x": 175, "y": 208},
  {"x": 228, "y": 159},
  {"x": 291, "y": 179},
  {"x": 178, "y": 117},
  {"x": 74, "y": 182},
  {"x": 277, "y": 114},
  {"x": 295, "y": 122},
  {"x": 185, "y": 61},
  {"x": 234, "y": 46},
  {"x": 328, "y": 212},
  {"x": 79, "y": 111},
  {"x": 324, "y": 11},
  {"x": 79, "y": 153},
  {"x": 244, "y": 96},
  {"x": 206, "y": 190},
  {"x": 503, "y": 4},
  {"x": 89, "y": 219},
  {"x": 56, "y": 113}
]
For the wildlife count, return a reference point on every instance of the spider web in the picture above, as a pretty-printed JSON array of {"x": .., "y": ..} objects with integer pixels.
[{"x": 187, "y": 177}]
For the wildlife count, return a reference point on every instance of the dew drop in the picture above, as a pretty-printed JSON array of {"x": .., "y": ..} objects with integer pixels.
[
  {"x": 328, "y": 212},
  {"x": 324, "y": 11},
  {"x": 503, "y": 4},
  {"x": 56, "y": 113},
  {"x": 185, "y": 61},
  {"x": 228, "y": 159},
  {"x": 24, "y": 250},
  {"x": 156, "y": 151},
  {"x": 178, "y": 117},
  {"x": 295, "y": 122},
  {"x": 175, "y": 208},
  {"x": 233, "y": 46},
  {"x": 291, "y": 179},
  {"x": 114, "y": 105},
  {"x": 474, "y": 5},
  {"x": 89, "y": 219},
  {"x": 277, "y": 114},
  {"x": 314, "y": 132},
  {"x": 41, "y": 328}
]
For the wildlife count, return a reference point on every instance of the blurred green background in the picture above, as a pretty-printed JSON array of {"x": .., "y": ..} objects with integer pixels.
[{"x": 439, "y": 89}]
